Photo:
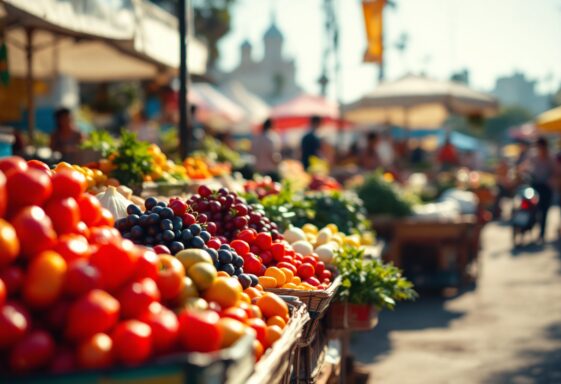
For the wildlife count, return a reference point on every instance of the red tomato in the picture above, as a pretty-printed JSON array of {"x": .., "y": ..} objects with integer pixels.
[
  {"x": 163, "y": 250},
  {"x": 247, "y": 235},
  {"x": 260, "y": 328},
  {"x": 278, "y": 251},
  {"x": 103, "y": 235},
  {"x": 3, "y": 195},
  {"x": 235, "y": 313},
  {"x": 13, "y": 279},
  {"x": 306, "y": 270},
  {"x": 95, "y": 312},
  {"x": 44, "y": 279},
  {"x": 106, "y": 218},
  {"x": 12, "y": 162},
  {"x": 116, "y": 263},
  {"x": 310, "y": 260},
  {"x": 326, "y": 275},
  {"x": 171, "y": 277},
  {"x": 3, "y": 293},
  {"x": 292, "y": 267},
  {"x": 147, "y": 264},
  {"x": 264, "y": 241},
  {"x": 72, "y": 247},
  {"x": 136, "y": 297},
  {"x": 63, "y": 362},
  {"x": 90, "y": 208},
  {"x": 266, "y": 257},
  {"x": 34, "y": 351},
  {"x": 164, "y": 325},
  {"x": 14, "y": 324},
  {"x": 241, "y": 247},
  {"x": 35, "y": 230},
  {"x": 313, "y": 281},
  {"x": 31, "y": 187},
  {"x": 39, "y": 165},
  {"x": 199, "y": 331},
  {"x": 68, "y": 183},
  {"x": 82, "y": 229},
  {"x": 214, "y": 244},
  {"x": 252, "y": 264},
  {"x": 287, "y": 259},
  {"x": 132, "y": 342},
  {"x": 64, "y": 214},
  {"x": 9, "y": 243},
  {"x": 298, "y": 257},
  {"x": 81, "y": 278},
  {"x": 96, "y": 352}
]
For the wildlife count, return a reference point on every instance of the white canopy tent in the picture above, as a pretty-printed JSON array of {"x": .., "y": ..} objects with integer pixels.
[
  {"x": 256, "y": 110},
  {"x": 214, "y": 108},
  {"x": 418, "y": 102}
]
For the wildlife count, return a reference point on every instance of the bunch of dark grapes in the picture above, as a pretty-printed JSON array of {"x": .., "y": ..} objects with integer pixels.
[
  {"x": 163, "y": 225},
  {"x": 228, "y": 214},
  {"x": 226, "y": 259}
]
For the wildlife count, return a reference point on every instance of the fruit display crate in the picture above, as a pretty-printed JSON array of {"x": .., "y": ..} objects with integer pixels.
[
  {"x": 278, "y": 363},
  {"x": 317, "y": 303},
  {"x": 310, "y": 359},
  {"x": 232, "y": 366},
  {"x": 352, "y": 317}
]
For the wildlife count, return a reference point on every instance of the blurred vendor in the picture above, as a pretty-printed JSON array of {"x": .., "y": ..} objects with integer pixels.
[
  {"x": 66, "y": 138},
  {"x": 448, "y": 156},
  {"x": 266, "y": 149}
]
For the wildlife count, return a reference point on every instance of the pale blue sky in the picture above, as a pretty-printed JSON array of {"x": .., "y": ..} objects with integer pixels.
[{"x": 489, "y": 37}]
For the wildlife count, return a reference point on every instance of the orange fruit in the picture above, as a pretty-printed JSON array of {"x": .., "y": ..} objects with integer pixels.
[
  {"x": 232, "y": 330},
  {"x": 258, "y": 349},
  {"x": 268, "y": 281},
  {"x": 235, "y": 313},
  {"x": 272, "y": 305},
  {"x": 226, "y": 291},
  {"x": 288, "y": 273},
  {"x": 256, "y": 312},
  {"x": 222, "y": 274},
  {"x": 290, "y": 286},
  {"x": 259, "y": 287},
  {"x": 276, "y": 320},
  {"x": 252, "y": 292},
  {"x": 272, "y": 334},
  {"x": 277, "y": 274},
  {"x": 245, "y": 298},
  {"x": 296, "y": 280}
]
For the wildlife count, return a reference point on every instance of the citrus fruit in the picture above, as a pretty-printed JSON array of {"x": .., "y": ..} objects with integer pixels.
[
  {"x": 288, "y": 274},
  {"x": 277, "y": 274},
  {"x": 232, "y": 330},
  {"x": 253, "y": 292},
  {"x": 258, "y": 349},
  {"x": 268, "y": 281},
  {"x": 272, "y": 305},
  {"x": 272, "y": 334},
  {"x": 276, "y": 320},
  {"x": 225, "y": 291},
  {"x": 203, "y": 274}
]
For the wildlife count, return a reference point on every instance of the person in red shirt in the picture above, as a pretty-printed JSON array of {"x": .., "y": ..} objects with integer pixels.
[{"x": 448, "y": 156}]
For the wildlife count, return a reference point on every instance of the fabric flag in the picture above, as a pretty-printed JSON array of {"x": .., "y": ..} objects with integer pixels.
[{"x": 373, "y": 23}]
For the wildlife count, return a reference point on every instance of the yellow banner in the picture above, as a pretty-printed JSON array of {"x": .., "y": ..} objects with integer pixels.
[{"x": 373, "y": 23}]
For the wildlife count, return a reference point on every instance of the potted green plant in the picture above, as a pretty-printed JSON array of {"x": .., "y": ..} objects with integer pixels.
[{"x": 368, "y": 286}]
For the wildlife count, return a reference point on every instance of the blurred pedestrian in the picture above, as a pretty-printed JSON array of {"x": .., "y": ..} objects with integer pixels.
[
  {"x": 311, "y": 143},
  {"x": 505, "y": 186},
  {"x": 417, "y": 154},
  {"x": 266, "y": 147},
  {"x": 385, "y": 151},
  {"x": 542, "y": 171},
  {"x": 66, "y": 138},
  {"x": 369, "y": 159},
  {"x": 448, "y": 156}
]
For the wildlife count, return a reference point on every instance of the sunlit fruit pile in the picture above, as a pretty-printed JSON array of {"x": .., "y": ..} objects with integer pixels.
[
  {"x": 262, "y": 187},
  {"x": 324, "y": 183},
  {"x": 199, "y": 168},
  {"x": 95, "y": 178},
  {"x": 76, "y": 295}
]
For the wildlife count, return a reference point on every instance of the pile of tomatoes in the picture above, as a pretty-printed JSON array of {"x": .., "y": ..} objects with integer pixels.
[{"x": 75, "y": 295}]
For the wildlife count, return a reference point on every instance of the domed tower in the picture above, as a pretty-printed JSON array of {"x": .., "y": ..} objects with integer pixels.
[
  {"x": 246, "y": 52},
  {"x": 273, "y": 40}
]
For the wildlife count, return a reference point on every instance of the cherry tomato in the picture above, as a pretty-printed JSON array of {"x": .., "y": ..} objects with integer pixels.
[
  {"x": 68, "y": 183},
  {"x": 132, "y": 342},
  {"x": 164, "y": 325},
  {"x": 103, "y": 235},
  {"x": 199, "y": 331},
  {"x": 95, "y": 312},
  {"x": 64, "y": 214},
  {"x": 310, "y": 260},
  {"x": 252, "y": 264},
  {"x": 96, "y": 352},
  {"x": 241, "y": 247},
  {"x": 34, "y": 351},
  {"x": 72, "y": 247},
  {"x": 136, "y": 297},
  {"x": 14, "y": 324},
  {"x": 3, "y": 195},
  {"x": 34, "y": 229},
  {"x": 44, "y": 279},
  {"x": 116, "y": 263},
  {"x": 264, "y": 241},
  {"x": 278, "y": 251},
  {"x": 171, "y": 276},
  {"x": 320, "y": 267},
  {"x": 147, "y": 264},
  {"x": 247, "y": 235},
  {"x": 290, "y": 266},
  {"x": 306, "y": 270},
  {"x": 260, "y": 327},
  {"x": 105, "y": 219},
  {"x": 90, "y": 208},
  {"x": 12, "y": 162},
  {"x": 30, "y": 187},
  {"x": 9, "y": 243},
  {"x": 81, "y": 278},
  {"x": 39, "y": 165}
]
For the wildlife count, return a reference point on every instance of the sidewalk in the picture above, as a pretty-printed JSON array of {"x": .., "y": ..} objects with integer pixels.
[{"x": 507, "y": 330}]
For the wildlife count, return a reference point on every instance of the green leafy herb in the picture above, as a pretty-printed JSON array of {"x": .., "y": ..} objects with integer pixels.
[
  {"x": 132, "y": 160},
  {"x": 100, "y": 141},
  {"x": 382, "y": 198}
]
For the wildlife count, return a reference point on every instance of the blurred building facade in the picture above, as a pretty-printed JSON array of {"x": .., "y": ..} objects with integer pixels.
[
  {"x": 517, "y": 90},
  {"x": 273, "y": 77}
]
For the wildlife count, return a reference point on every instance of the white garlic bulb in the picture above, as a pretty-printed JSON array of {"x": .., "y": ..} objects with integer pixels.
[{"x": 114, "y": 202}]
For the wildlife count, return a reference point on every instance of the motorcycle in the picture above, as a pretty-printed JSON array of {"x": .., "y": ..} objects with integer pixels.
[{"x": 524, "y": 214}]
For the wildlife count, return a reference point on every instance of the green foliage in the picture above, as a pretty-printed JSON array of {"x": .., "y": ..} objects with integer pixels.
[
  {"x": 100, "y": 141},
  {"x": 132, "y": 160},
  {"x": 217, "y": 151},
  {"x": 370, "y": 281},
  {"x": 381, "y": 198}
]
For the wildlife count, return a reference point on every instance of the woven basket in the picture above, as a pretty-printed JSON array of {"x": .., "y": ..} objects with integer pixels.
[
  {"x": 310, "y": 359},
  {"x": 276, "y": 365},
  {"x": 317, "y": 303}
]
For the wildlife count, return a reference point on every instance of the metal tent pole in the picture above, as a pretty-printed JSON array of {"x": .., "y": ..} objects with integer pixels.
[
  {"x": 185, "y": 128},
  {"x": 29, "y": 85}
]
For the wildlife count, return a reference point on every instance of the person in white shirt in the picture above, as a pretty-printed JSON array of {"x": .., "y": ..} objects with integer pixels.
[
  {"x": 266, "y": 149},
  {"x": 385, "y": 151}
]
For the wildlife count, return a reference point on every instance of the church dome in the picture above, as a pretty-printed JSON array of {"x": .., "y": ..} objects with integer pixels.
[
  {"x": 273, "y": 32},
  {"x": 246, "y": 44}
]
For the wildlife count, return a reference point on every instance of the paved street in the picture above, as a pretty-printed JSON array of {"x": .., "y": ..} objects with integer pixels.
[{"x": 507, "y": 330}]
